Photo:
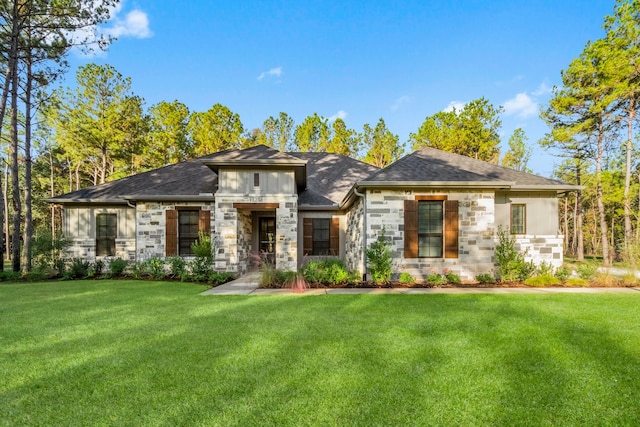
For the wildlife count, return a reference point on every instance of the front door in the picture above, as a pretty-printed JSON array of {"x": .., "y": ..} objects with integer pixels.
[{"x": 267, "y": 235}]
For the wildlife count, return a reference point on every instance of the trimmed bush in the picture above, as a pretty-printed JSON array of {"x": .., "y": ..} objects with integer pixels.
[
  {"x": 485, "y": 278},
  {"x": 453, "y": 278},
  {"x": 436, "y": 279},
  {"x": 79, "y": 269},
  {"x": 587, "y": 270},
  {"x": 542, "y": 280},
  {"x": 407, "y": 279}
]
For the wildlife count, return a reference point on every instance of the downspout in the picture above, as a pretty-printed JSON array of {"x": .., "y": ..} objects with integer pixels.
[{"x": 364, "y": 226}]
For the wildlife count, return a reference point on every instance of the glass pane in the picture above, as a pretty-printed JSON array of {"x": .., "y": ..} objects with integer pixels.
[
  {"x": 518, "y": 219},
  {"x": 430, "y": 217},
  {"x": 430, "y": 246},
  {"x": 188, "y": 228}
]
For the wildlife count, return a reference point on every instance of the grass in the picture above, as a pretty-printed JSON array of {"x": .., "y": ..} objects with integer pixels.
[{"x": 157, "y": 353}]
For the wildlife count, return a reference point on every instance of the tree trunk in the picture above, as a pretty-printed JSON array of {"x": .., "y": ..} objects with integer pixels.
[
  {"x": 566, "y": 224},
  {"x": 628, "y": 232},
  {"x": 579, "y": 213},
  {"x": 606, "y": 256},
  {"x": 28, "y": 214},
  {"x": 17, "y": 208},
  {"x": 52, "y": 193},
  {"x": 5, "y": 196}
]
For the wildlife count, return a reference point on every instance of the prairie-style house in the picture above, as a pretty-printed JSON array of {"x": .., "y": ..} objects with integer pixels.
[{"x": 439, "y": 211}]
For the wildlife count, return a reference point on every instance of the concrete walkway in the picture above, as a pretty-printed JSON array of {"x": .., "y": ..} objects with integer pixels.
[{"x": 249, "y": 285}]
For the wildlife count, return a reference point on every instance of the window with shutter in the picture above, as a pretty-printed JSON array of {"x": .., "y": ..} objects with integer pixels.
[{"x": 431, "y": 227}]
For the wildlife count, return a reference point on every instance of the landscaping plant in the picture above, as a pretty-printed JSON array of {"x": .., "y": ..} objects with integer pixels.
[{"x": 379, "y": 259}]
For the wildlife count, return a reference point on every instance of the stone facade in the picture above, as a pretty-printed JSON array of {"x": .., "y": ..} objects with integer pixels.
[
  {"x": 86, "y": 249},
  {"x": 353, "y": 249},
  {"x": 385, "y": 209},
  {"x": 539, "y": 249},
  {"x": 235, "y": 233},
  {"x": 151, "y": 227}
]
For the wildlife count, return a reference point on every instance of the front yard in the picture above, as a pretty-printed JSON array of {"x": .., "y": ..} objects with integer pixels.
[{"x": 149, "y": 353}]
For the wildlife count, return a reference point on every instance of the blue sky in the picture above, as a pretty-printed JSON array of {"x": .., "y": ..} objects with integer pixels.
[{"x": 359, "y": 60}]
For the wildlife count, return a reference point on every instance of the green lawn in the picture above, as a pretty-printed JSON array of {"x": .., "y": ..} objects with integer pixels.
[{"x": 145, "y": 353}]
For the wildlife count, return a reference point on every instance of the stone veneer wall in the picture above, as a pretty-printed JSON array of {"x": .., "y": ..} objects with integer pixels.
[
  {"x": 245, "y": 225},
  {"x": 354, "y": 257},
  {"x": 476, "y": 240},
  {"x": 548, "y": 249},
  {"x": 86, "y": 249},
  {"x": 151, "y": 226},
  {"x": 229, "y": 255}
]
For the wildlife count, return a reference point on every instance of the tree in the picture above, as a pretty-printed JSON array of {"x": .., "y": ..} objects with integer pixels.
[
  {"x": 473, "y": 131},
  {"x": 343, "y": 141},
  {"x": 168, "y": 141},
  {"x": 519, "y": 152},
  {"x": 100, "y": 121},
  {"x": 312, "y": 134},
  {"x": 381, "y": 145},
  {"x": 215, "y": 130}
]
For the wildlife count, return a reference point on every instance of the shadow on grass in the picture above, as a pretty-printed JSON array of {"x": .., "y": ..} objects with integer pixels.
[{"x": 155, "y": 354}]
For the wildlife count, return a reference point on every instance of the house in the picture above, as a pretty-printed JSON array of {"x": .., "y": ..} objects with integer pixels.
[{"x": 439, "y": 211}]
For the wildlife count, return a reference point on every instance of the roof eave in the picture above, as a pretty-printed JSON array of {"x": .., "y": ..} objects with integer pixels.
[
  {"x": 545, "y": 187},
  {"x": 64, "y": 200},
  {"x": 437, "y": 184}
]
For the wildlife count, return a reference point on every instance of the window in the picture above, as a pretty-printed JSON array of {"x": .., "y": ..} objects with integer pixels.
[
  {"x": 256, "y": 179},
  {"x": 106, "y": 230},
  {"x": 188, "y": 228},
  {"x": 430, "y": 229},
  {"x": 321, "y": 236},
  {"x": 518, "y": 219},
  {"x": 183, "y": 226}
]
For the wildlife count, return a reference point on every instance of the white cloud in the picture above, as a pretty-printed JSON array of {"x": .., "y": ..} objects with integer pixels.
[
  {"x": 398, "y": 102},
  {"x": 543, "y": 89},
  {"x": 272, "y": 72},
  {"x": 457, "y": 105},
  {"x": 339, "y": 115},
  {"x": 522, "y": 106},
  {"x": 134, "y": 24}
]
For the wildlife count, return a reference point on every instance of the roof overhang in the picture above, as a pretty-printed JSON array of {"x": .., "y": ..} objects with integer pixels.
[
  {"x": 436, "y": 184},
  {"x": 559, "y": 188},
  {"x": 68, "y": 201}
]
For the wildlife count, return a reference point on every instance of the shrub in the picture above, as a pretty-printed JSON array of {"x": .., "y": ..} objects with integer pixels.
[
  {"x": 47, "y": 249},
  {"x": 485, "y": 278},
  {"x": 576, "y": 281},
  {"x": 436, "y": 279},
  {"x": 10, "y": 276},
  {"x": 630, "y": 279},
  {"x": 563, "y": 273},
  {"x": 154, "y": 267},
  {"x": 379, "y": 259},
  {"x": 605, "y": 279},
  {"x": 452, "y": 278},
  {"x": 545, "y": 268},
  {"x": 98, "y": 267},
  {"x": 329, "y": 271},
  {"x": 202, "y": 266},
  {"x": 510, "y": 262},
  {"x": 117, "y": 267},
  {"x": 407, "y": 278},
  {"x": 79, "y": 269},
  {"x": 587, "y": 270},
  {"x": 216, "y": 278},
  {"x": 542, "y": 280},
  {"x": 177, "y": 267}
]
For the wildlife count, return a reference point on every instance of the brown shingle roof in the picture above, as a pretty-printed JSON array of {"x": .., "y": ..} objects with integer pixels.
[{"x": 433, "y": 165}]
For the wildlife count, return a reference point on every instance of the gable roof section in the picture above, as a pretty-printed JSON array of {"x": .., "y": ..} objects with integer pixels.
[
  {"x": 260, "y": 156},
  {"x": 188, "y": 180},
  {"x": 330, "y": 177},
  {"x": 433, "y": 167}
]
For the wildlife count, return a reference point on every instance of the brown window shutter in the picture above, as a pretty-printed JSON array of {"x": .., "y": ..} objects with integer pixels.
[
  {"x": 410, "y": 229},
  {"x": 307, "y": 236},
  {"x": 334, "y": 236},
  {"x": 451, "y": 229},
  {"x": 171, "y": 230},
  {"x": 204, "y": 222}
]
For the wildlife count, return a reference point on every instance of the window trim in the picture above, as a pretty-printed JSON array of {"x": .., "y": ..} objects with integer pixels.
[
  {"x": 109, "y": 242},
  {"x": 524, "y": 218}
]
